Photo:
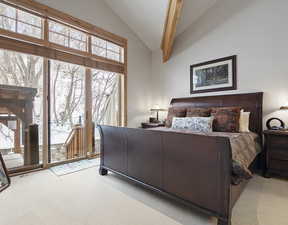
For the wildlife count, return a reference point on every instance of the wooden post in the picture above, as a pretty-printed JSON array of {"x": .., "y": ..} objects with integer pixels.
[
  {"x": 125, "y": 87},
  {"x": 88, "y": 107},
  {"x": 88, "y": 112},
  {"x": 17, "y": 133},
  {"x": 31, "y": 155},
  {"x": 45, "y": 112}
]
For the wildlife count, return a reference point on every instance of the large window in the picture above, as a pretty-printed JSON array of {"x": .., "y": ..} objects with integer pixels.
[
  {"x": 19, "y": 21},
  {"x": 59, "y": 76}
]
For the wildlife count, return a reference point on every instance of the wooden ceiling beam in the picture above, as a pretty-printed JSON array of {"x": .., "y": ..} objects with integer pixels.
[{"x": 172, "y": 19}]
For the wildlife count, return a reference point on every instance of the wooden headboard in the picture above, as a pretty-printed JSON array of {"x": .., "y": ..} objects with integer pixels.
[{"x": 250, "y": 102}]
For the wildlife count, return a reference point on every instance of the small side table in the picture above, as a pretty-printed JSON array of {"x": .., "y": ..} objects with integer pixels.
[
  {"x": 276, "y": 151},
  {"x": 151, "y": 125}
]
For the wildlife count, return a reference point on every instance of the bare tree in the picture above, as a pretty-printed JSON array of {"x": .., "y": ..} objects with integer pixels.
[{"x": 104, "y": 88}]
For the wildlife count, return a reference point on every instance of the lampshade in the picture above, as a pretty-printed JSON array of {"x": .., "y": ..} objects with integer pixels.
[{"x": 157, "y": 110}]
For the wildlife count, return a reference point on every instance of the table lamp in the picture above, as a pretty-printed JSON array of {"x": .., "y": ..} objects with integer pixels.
[
  {"x": 281, "y": 125},
  {"x": 157, "y": 109}
]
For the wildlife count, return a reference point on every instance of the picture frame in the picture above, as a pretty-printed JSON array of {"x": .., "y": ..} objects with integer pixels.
[
  {"x": 4, "y": 176},
  {"x": 215, "y": 75}
]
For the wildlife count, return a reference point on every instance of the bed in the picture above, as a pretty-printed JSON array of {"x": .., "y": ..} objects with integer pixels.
[{"x": 191, "y": 168}]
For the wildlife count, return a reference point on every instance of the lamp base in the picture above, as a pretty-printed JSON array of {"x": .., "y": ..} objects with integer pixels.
[{"x": 153, "y": 120}]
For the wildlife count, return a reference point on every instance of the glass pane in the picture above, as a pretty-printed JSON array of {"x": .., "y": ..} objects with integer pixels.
[
  {"x": 29, "y": 18},
  {"x": 105, "y": 101},
  {"x": 7, "y": 11},
  {"x": 59, "y": 39},
  {"x": 112, "y": 47},
  {"x": 107, "y": 49},
  {"x": 7, "y": 17},
  {"x": 75, "y": 34},
  {"x": 66, "y": 36},
  {"x": 58, "y": 28},
  {"x": 21, "y": 81},
  {"x": 99, "y": 51},
  {"x": 67, "y": 102},
  {"x": 99, "y": 42},
  {"x": 113, "y": 56},
  {"x": 7, "y": 23},
  {"x": 80, "y": 45},
  {"x": 122, "y": 55},
  {"x": 29, "y": 30},
  {"x": 19, "y": 21}
]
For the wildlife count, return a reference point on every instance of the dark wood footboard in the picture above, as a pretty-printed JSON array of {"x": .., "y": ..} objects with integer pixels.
[{"x": 193, "y": 169}]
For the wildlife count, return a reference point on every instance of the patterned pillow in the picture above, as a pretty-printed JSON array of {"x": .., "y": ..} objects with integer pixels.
[
  {"x": 197, "y": 124},
  {"x": 174, "y": 112},
  {"x": 226, "y": 119},
  {"x": 198, "y": 112}
]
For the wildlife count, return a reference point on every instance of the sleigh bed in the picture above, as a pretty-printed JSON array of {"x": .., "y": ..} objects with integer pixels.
[{"x": 191, "y": 168}]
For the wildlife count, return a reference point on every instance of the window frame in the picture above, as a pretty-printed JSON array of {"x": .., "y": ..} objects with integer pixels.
[
  {"x": 49, "y": 14},
  {"x": 22, "y": 43},
  {"x": 16, "y": 20}
]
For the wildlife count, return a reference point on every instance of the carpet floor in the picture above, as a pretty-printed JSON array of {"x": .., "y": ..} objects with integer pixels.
[{"x": 85, "y": 198}]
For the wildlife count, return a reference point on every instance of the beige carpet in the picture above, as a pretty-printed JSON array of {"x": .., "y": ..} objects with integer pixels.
[{"x": 85, "y": 198}]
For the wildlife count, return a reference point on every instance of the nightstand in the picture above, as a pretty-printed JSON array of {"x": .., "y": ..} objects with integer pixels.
[
  {"x": 151, "y": 125},
  {"x": 276, "y": 151}
]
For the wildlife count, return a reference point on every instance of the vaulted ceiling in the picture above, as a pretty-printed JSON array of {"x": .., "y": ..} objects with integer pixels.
[{"x": 147, "y": 17}]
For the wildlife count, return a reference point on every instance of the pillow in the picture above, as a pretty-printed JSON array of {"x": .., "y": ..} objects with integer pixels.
[
  {"x": 174, "y": 112},
  {"x": 226, "y": 119},
  {"x": 197, "y": 124},
  {"x": 198, "y": 112},
  {"x": 244, "y": 121}
]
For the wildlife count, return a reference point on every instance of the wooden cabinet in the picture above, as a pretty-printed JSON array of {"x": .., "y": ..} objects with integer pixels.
[{"x": 276, "y": 151}]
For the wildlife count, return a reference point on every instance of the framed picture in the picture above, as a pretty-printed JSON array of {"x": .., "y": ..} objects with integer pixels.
[
  {"x": 4, "y": 177},
  {"x": 215, "y": 75}
]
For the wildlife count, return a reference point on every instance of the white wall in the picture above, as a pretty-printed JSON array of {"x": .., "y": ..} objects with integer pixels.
[
  {"x": 255, "y": 30},
  {"x": 139, "y": 56}
]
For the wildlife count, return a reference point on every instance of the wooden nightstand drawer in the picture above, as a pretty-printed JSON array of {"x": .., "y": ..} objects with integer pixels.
[
  {"x": 276, "y": 151},
  {"x": 276, "y": 141},
  {"x": 278, "y": 165},
  {"x": 279, "y": 154}
]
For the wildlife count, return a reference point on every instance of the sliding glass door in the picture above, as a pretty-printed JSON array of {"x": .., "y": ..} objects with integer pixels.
[
  {"x": 74, "y": 92},
  {"x": 21, "y": 109},
  {"x": 67, "y": 111},
  {"x": 105, "y": 101}
]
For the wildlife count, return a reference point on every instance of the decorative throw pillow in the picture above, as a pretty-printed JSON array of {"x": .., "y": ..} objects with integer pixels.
[
  {"x": 197, "y": 124},
  {"x": 198, "y": 112},
  {"x": 226, "y": 119},
  {"x": 244, "y": 121},
  {"x": 174, "y": 112}
]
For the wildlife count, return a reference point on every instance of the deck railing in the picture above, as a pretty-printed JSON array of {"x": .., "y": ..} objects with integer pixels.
[{"x": 75, "y": 143}]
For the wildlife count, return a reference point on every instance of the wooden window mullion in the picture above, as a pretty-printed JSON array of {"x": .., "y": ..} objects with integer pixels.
[
  {"x": 46, "y": 31},
  {"x": 16, "y": 20}
]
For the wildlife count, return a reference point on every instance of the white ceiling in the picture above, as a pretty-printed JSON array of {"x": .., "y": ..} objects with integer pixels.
[{"x": 147, "y": 17}]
